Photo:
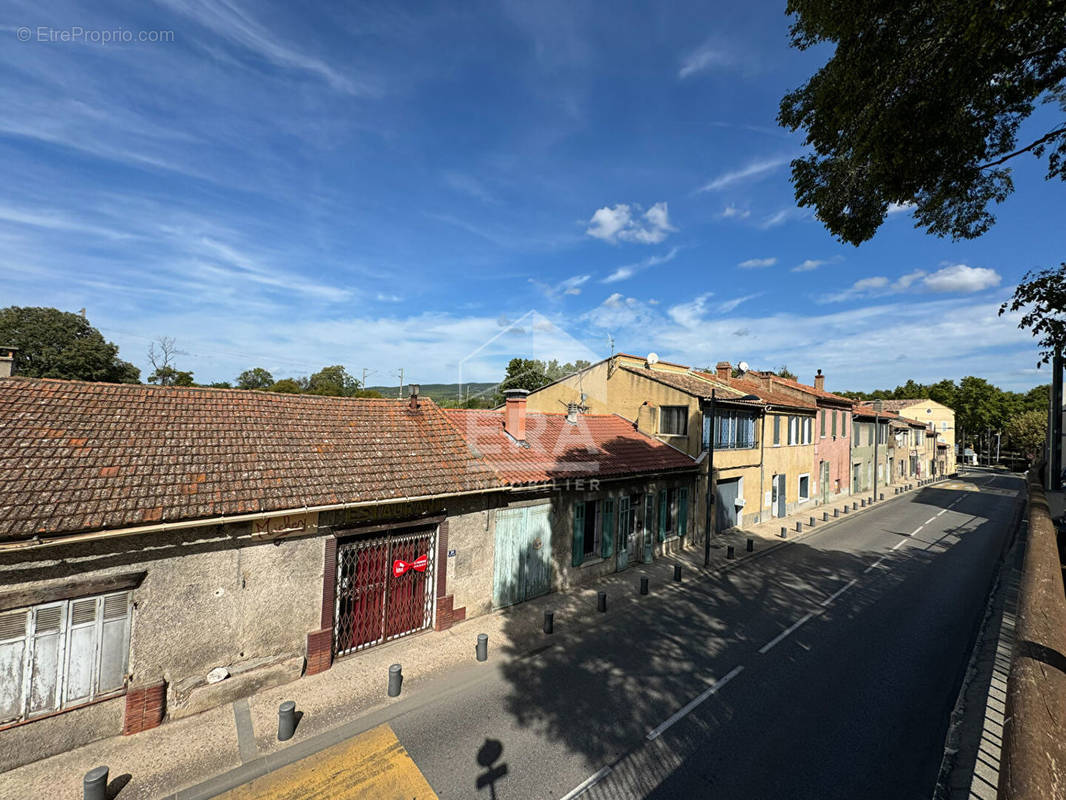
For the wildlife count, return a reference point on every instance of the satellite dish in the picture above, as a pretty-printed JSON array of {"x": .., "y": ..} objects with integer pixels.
[
  {"x": 742, "y": 367},
  {"x": 653, "y": 358}
]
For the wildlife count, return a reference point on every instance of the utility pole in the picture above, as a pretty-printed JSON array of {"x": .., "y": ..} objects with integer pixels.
[
  {"x": 400, "y": 395},
  {"x": 877, "y": 440}
]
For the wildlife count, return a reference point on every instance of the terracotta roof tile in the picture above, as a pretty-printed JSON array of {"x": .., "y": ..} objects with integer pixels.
[
  {"x": 140, "y": 449},
  {"x": 697, "y": 384},
  {"x": 596, "y": 445}
]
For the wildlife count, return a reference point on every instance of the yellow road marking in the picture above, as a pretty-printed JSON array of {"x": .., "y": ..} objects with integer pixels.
[{"x": 371, "y": 765}]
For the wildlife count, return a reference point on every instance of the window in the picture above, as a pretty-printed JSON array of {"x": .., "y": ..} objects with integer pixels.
[
  {"x": 808, "y": 430},
  {"x": 734, "y": 430},
  {"x": 63, "y": 654},
  {"x": 777, "y": 430},
  {"x": 822, "y": 427},
  {"x": 804, "y": 487},
  {"x": 671, "y": 511},
  {"x": 673, "y": 420},
  {"x": 792, "y": 430}
]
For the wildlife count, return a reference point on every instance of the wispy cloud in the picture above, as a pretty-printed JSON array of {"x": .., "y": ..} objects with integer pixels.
[
  {"x": 961, "y": 278},
  {"x": 732, "y": 212},
  {"x": 691, "y": 314},
  {"x": 813, "y": 263},
  {"x": 629, "y": 270},
  {"x": 757, "y": 263},
  {"x": 781, "y": 217},
  {"x": 899, "y": 208},
  {"x": 956, "y": 278},
  {"x": 704, "y": 58},
  {"x": 570, "y": 286},
  {"x": 752, "y": 171},
  {"x": 625, "y": 223},
  {"x": 731, "y": 305},
  {"x": 468, "y": 185}
]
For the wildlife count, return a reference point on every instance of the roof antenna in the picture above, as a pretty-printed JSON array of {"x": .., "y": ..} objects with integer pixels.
[{"x": 610, "y": 343}]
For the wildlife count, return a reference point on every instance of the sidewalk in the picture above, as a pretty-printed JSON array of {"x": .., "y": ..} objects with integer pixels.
[{"x": 185, "y": 752}]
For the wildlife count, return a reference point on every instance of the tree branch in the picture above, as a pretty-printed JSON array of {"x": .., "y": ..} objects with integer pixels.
[{"x": 1047, "y": 137}]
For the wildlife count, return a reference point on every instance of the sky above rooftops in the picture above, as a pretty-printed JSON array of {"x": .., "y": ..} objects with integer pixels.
[{"x": 293, "y": 186}]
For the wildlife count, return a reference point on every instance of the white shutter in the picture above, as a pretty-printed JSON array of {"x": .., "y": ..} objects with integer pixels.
[
  {"x": 47, "y": 656},
  {"x": 81, "y": 650},
  {"x": 114, "y": 646},
  {"x": 13, "y": 626}
]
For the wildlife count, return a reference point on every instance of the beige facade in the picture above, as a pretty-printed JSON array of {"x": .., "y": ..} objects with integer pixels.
[{"x": 925, "y": 412}]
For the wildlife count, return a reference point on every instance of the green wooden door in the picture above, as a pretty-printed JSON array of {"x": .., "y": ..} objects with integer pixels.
[{"x": 522, "y": 564}]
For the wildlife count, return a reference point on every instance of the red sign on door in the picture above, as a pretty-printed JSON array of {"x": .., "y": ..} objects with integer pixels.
[{"x": 418, "y": 565}]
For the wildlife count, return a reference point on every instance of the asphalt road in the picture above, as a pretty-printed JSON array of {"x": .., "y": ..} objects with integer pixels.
[{"x": 825, "y": 669}]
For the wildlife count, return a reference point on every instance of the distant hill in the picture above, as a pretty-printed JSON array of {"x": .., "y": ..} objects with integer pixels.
[{"x": 439, "y": 392}]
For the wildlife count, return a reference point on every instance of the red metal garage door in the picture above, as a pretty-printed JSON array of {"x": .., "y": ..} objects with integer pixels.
[{"x": 373, "y": 604}]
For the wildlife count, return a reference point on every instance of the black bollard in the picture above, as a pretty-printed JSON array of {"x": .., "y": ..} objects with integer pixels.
[
  {"x": 95, "y": 784},
  {"x": 751, "y": 545},
  {"x": 882, "y": 495},
  {"x": 836, "y": 512},
  {"x": 855, "y": 506},
  {"x": 601, "y": 602},
  {"x": 863, "y": 502},
  {"x": 811, "y": 523},
  {"x": 677, "y": 572},
  {"x": 825, "y": 516},
  {"x": 729, "y": 552},
  {"x": 549, "y": 621},
  {"x": 286, "y": 720},
  {"x": 784, "y": 532},
  {"x": 847, "y": 509},
  {"x": 799, "y": 526},
  {"x": 481, "y": 651},
  {"x": 643, "y": 584},
  {"x": 395, "y": 680}
]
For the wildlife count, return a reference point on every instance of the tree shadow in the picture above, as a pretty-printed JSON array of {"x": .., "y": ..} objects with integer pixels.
[{"x": 491, "y": 752}]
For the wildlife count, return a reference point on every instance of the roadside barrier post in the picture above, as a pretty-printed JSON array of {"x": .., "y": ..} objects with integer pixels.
[
  {"x": 95, "y": 784},
  {"x": 395, "y": 680}
]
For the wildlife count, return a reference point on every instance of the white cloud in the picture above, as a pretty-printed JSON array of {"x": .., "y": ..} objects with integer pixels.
[
  {"x": 757, "y": 263},
  {"x": 899, "y": 208},
  {"x": 905, "y": 281},
  {"x": 629, "y": 270},
  {"x": 626, "y": 223},
  {"x": 783, "y": 216},
  {"x": 389, "y": 298},
  {"x": 703, "y": 59},
  {"x": 732, "y": 212},
  {"x": 961, "y": 278},
  {"x": 809, "y": 264},
  {"x": 619, "y": 312},
  {"x": 756, "y": 169},
  {"x": 569, "y": 286},
  {"x": 690, "y": 314},
  {"x": 731, "y": 305}
]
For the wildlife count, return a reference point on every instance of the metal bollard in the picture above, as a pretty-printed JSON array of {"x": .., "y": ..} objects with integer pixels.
[
  {"x": 729, "y": 552},
  {"x": 847, "y": 509},
  {"x": 395, "y": 680},
  {"x": 601, "y": 602},
  {"x": 882, "y": 495},
  {"x": 95, "y": 784},
  {"x": 799, "y": 526},
  {"x": 811, "y": 523},
  {"x": 836, "y": 512},
  {"x": 482, "y": 649},
  {"x": 677, "y": 572},
  {"x": 751, "y": 545},
  {"x": 286, "y": 720},
  {"x": 784, "y": 532},
  {"x": 863, "y": 502},
  {"x": 643, "y": 584},
  {"x": 549, "y": 621},
  {"x": 854, "y": 506}
]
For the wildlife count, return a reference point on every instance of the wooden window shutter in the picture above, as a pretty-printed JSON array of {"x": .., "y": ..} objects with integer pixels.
[
  {"x": 623, "y": 522},
  {"x": 663, "y": 511},
  {"x": 607, "y": 534},
  {"x": 579, "y": 534},
  {"x": 682, "y": 510}
]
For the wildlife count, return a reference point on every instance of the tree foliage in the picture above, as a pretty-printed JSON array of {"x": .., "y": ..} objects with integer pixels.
[
  {"x": 332, "y": 381},
  {"x": 256, "y": 378},
  {"x": 58, "y": 344},
  {"x": 920, "y": 103},
  {"x": 1042, "y": 295},
  {"x": 530, "y": 374},
  {"x": 1027, "y": 431}
]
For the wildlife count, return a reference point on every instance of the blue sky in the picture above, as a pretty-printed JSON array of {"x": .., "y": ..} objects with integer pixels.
[{"x": 441, "y": 189}]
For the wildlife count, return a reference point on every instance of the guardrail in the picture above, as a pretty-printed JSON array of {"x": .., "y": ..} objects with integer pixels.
[{"x": 1033, "y": 762}]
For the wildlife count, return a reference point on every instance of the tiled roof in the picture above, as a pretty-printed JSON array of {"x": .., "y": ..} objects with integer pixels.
[
  {"x": 772, "y": 395},
  {"x": 697, "y": 384},
  {"x": 595, "y": 446},
  {"x": 897, "y": 405},
  {"x": 85, "y": 456},
  {"x": 819, "y": 393},
  {"x": 867, "y": 410}
]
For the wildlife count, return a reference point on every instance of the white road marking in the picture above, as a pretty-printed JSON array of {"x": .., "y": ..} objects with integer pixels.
[
  {"x": 586, "y": 784},
  {"x": 918, "y": 529},
  {"x": 899, "y": 544},
  {"x": 684, "y": 711},
  {"x": 942, "y": 511},
  {"x": 840, "y": 591},
  {"x": 786, "y": 632}
]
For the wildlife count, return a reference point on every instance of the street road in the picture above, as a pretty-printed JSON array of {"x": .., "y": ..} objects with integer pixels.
[{"x": 824, "y": 669}]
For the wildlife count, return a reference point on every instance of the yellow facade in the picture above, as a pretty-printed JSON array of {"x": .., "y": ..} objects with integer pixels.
[
  {"x": 793, "y": 461},
  {"x": 943, "y": 418}
]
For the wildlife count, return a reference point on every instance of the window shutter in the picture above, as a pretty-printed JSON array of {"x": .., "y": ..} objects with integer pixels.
[
  {"x": 623, "y": 522},
  {"x": 662, "y": 515},
  {"x": 579, "y": 534},
  {"x": 682, "y": 511},
  {"x": 834, "y": 423},
  {"x": 777, "y": 429},
  {"x": 843, "y": 423},
  {"x": 822, "y": 431},
  {"x": 607, "y": 535}
]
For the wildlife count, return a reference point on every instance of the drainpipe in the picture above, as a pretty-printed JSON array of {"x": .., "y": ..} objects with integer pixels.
[
  {"x": 762, "y": 461},
  {"x": 710, "y": 488}
]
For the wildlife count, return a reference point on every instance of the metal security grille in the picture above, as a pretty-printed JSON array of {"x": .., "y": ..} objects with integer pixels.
[{"x": 372, "y": 604}]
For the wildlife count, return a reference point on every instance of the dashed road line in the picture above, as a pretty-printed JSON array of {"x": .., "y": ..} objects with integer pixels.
[
  {"x": 687, "y": 708},
  {"x": 766, "y": 648},
  {"x": 587, "y": 784},
  {"x": 840, "y": 591}
]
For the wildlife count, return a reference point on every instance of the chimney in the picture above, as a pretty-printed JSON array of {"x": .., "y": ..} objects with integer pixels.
[
  {"x": 724, "y": 370},
  {"x": 7, "y": 361},
  {"x": 819, "y": 381},
  {"x": 514, "y": 416},
  {"x": 413, "y": 402},
  {"x": 646, "y": 419},
  {"x": 572, "y": 410},
  {"x": 879, "y": 406}
]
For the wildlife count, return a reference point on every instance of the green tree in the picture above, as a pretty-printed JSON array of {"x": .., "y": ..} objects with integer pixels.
[
  {"x": 286, "y": 386},
  {"x": 920, "y": 103},
  {"x": 332, "y": 381},
  {"x": 943, "y": 392},
  {"x": 220, "y": 385},
  {"x": 57, "y": 344},
  {"x": 522, "y": 373},
  {"x": 257, "y": 378},
  {"x": 169, "y": 376},
  {"x": 1042, "y": 296},
  {"x": 784, "y": 372},
  {"x": 1027, "y": 432}
]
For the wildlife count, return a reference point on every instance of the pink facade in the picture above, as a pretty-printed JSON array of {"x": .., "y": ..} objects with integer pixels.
[{"x": 832, "y": 451}]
